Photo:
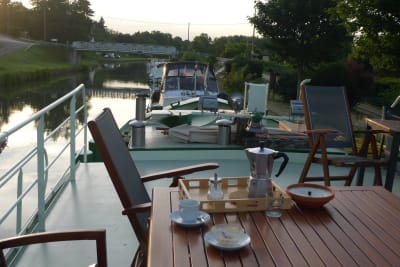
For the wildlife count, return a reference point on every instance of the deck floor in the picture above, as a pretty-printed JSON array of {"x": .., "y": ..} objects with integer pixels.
[
  {"x": 88, "y": 203},
  {"x": 91, "y": 202}
]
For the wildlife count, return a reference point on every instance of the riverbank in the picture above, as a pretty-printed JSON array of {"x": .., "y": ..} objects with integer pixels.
[{"x": 31, "y": 62}]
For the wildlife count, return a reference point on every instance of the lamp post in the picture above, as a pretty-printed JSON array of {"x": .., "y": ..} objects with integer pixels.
[
  {"x": 254, "y": 31},
  {"x": 44, "y": 21},
  {"x": 188, "y": 32}
]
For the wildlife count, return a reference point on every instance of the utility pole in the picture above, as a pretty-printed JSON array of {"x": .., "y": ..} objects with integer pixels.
[
  {"x": 44, "y": 23},
  {"x": 254, "y": 30},
  {"x": 188, "y": 31}
]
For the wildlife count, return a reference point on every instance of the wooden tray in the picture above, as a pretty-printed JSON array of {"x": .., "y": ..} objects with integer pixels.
[{"x": 235, "y": 195}]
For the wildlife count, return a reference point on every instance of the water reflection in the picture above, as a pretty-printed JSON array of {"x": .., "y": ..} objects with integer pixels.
[{"x": 113, "y": 84}]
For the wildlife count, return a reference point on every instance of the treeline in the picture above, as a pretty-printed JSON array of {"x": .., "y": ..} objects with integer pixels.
[
  {"x": 59, "y": 20},
  {"x": 346, "y": 42},
  {"x": 66, "y": 21}
]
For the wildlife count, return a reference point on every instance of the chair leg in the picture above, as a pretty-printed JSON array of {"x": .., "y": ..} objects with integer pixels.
[
  {"x": 325, "y": 164},
  {"x": 305, "y": 170},
  {"x": 378, "y": 176},
  {"x": 376, "y": 155},
  {"x": 350, "y": 176},
  {"x": 307, "y": 164}
]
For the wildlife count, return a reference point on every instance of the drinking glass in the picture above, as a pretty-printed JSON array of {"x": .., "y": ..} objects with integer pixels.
[{"x": 274, "y": 203}]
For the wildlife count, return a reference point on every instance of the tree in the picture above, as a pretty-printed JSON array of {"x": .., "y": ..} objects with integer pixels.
[
  {"x": 202, "y": 43},
  {"x": 4, "y": 15},
  {"x": 80, "y": 26},
  {"x": 18, "y": 18},
  {"x": 98, "y": 31},
  {"x": 62, "y": 19},
  {"x": 302, "y": 32},
  {"x": 375, "y": 25},
  {"x": 233, "y": 48}
]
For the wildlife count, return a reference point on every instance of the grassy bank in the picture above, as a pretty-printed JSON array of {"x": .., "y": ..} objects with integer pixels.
[
  {"x": 41, "y": 62},
  {"x": 33, "y": 64}
]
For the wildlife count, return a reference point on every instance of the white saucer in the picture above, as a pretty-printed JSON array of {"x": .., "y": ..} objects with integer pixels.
[
  {"x": 227, "y": 237},
  {"x": 202, "y": 217}
]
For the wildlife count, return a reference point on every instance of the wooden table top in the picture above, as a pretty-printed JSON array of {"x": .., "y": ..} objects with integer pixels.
[
  {"x": 392, "y": 126},
  {"x": 359, "y": 227}
]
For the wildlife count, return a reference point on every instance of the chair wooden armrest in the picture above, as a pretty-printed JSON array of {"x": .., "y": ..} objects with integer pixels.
[
  {"x": 137, "y": 208},
  {"x": 179, "y": 172},
  {"x": 98, "y": 235},
  {"x": 320, "y": 131}
]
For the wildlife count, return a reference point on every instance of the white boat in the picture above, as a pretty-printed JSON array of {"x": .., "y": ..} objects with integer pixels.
[{"x": 184, "y": 80}]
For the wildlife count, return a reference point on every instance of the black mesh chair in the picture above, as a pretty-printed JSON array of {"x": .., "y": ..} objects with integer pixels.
[
  {"x": 328, "y": 122},
  {"x": 126, "y": 179}
]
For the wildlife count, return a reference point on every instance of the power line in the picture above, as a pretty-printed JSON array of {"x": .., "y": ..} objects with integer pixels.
[{"x": 176, "y": 23}]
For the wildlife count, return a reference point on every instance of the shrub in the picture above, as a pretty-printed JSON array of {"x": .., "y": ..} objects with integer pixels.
[
  {"x": 287, "y": 84},
  {"x": 387, "y": 89},
  {"x": 356, "y": 77}
]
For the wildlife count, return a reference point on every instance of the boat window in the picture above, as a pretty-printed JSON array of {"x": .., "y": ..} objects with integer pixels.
[
  {"x": 212, "y": 85},
  {"x": 171, "y": 83},
  {"x": 186, "y": 71},
  {"x": 186, "y": 83},
  {"x": 172, "y": 72}
]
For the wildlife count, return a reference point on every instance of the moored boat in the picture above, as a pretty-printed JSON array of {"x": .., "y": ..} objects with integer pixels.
[{"x": 183, "y": 80}]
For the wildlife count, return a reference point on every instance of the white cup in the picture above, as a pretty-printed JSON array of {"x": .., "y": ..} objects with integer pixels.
[{"x": 189, "y": 209}]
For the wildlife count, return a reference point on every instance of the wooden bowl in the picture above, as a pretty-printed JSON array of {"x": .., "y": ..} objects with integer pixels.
[{"x": 310, "y": 195}]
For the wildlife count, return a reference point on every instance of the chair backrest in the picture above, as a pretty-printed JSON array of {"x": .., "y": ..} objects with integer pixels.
[
  {"x": 122, "y": 169},
  {"x": 256, "y": 97},
  {"x": 327, "y": 108}
]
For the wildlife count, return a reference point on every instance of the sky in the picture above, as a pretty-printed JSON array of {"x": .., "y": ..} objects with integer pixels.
[{"x": 177, "y": 17}]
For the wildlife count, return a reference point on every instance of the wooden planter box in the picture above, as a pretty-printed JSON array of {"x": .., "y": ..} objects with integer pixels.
[{"x": 235, "y": 195}]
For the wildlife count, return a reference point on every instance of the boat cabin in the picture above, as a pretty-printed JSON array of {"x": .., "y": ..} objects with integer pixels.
[{"x": 185, "y": 79}]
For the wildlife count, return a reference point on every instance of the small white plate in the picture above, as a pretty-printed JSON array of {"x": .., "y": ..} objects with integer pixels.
[
  {"x": 227, "y": 237},
  {"x": 202, "y": 217}
]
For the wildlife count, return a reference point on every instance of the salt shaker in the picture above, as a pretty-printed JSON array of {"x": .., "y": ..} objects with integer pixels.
[{"x": 214, "y": 189}]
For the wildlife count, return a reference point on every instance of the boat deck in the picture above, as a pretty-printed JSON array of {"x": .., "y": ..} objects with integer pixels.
[{"x": 91, "y": 202}]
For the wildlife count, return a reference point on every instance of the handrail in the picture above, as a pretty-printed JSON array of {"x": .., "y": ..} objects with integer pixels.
[{"x": 15, "y": 173}]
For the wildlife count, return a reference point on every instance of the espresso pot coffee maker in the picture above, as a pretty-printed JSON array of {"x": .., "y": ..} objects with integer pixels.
[{"x": 261, "y": 161}]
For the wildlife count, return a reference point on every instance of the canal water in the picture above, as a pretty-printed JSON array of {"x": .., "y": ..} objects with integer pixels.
[{"x": 107, "y": 85}]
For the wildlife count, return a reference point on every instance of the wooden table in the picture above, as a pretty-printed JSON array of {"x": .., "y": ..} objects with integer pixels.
[
  {"x": 360, "y": 227},
  {"x": 393, "y": 127}
]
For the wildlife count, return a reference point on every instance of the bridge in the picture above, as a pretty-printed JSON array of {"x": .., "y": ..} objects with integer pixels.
[{"x": 152, "y": 50}]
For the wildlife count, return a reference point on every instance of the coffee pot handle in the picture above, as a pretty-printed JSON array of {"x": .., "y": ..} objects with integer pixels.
[{"x": 284, "y": 163}]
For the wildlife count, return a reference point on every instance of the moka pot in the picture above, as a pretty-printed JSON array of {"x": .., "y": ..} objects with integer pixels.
[{"x": 261, "y": 164}]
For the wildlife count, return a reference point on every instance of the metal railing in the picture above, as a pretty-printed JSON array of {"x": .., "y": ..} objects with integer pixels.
[{"x": 14, "y": 175}]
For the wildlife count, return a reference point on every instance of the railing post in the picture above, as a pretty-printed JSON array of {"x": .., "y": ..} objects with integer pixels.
[
  {"x": 85, "y": 116},
  {"x": 18, "y": 226},
  {"x": 40, "y": 171},
  {"x": 72, "y": 136}
]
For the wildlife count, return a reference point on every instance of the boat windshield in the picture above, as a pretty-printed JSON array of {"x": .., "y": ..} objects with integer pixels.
[{"x": 190, "y": 76}]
